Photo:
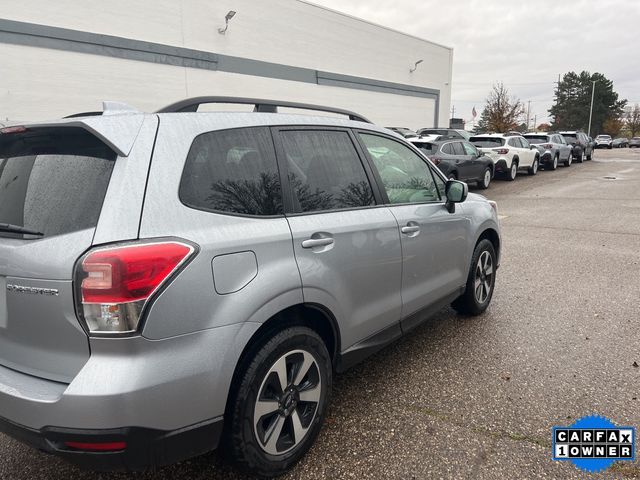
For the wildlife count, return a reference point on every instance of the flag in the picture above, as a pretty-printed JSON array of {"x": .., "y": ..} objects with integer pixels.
[{"x": 474, "y": 114}]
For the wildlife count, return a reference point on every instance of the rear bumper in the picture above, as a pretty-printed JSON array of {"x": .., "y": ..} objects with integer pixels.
[
  {"x": 150, "y": 392},
  {"x": 145, "y": 448}
]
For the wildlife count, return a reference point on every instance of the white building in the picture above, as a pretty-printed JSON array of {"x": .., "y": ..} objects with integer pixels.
[{"x": 66, "y": 56}]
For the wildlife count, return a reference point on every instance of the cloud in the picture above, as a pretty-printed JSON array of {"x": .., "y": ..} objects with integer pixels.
[{"x": 523, "y": 44}]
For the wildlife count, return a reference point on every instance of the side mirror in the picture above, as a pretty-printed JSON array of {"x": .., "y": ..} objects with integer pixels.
[{"x": 456, "y": 192}]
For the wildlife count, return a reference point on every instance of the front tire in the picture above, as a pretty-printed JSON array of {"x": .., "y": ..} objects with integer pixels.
[
  {"x": 533, "y": 169},
  {"x": 277, "y": 409},
  {"x": 480, "y": 282},
  {"x": 486, "y": 179},
  {"x": 568, "y": 161}
]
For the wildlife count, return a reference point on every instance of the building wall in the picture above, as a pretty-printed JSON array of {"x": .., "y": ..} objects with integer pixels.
[{"x": 299, "y": 38}]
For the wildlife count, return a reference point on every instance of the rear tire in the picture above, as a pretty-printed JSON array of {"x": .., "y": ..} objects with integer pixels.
[
  {"x": 486, "y": 179},
  {"x": 452, "y": 176},
  {"x": 590, "y": 156},
  {"x": 554, "y": 162},
  {"x": 513, "y": 171},
  {"x": 480, "y": 282},
  {"x": 580, "y": 159},
  {"x": 282, "y": 388}
]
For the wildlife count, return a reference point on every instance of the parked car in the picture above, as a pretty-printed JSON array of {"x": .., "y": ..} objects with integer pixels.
[
  {"x": 581, "y": 147},
  {"x": 604, "y": 141},
  {"x": 634, "y": 142},
  {"x": 458, "y": 160},
  {"x": 405, "y": 132},
  {"x": 175, "y": 281},
  {"x": 553, "y": 149},
  {"x": 620, "y": 143},
  {"x": 445, "y": 132},
  {"x": 508, "y": 153}
]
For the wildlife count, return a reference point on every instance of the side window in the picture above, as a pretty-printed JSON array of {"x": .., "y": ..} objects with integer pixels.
[
  {"x": 512, "y": 142},
  {"x": 469, "y": 149},
  {"x": 325, "y": 172},
  {"x": 524, "y": 143},
  {"x": 232, "y": 171},
  {"x": 457, "y": 148},
  {"x": 406, "y": 177},
  {"x": 447, "y": 149}
]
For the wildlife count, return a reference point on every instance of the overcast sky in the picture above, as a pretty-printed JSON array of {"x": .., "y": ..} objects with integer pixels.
[{"x": 524, "y": 44}]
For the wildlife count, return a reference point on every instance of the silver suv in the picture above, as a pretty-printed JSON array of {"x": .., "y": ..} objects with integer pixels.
[{"x": 175, "y": 282}]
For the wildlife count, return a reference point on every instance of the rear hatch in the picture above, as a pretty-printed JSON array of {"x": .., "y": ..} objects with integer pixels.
[
  {"x": 53, "y": 182},
  {"x": 490, "y": 146}
]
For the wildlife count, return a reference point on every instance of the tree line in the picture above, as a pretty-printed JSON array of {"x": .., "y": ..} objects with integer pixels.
[{"x": 611, "y": 115}]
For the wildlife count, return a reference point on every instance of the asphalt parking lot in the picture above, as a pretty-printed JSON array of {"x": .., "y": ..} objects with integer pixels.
[{"x": 477, "y": 397}]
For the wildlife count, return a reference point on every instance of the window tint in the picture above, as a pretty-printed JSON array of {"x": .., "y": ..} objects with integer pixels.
[
  {"x": 457, "y": 149},
  {"x": 487, "y": 142},
  {"x": 469, "y": 149},
  {"x": 325, "y": 172},
  {"x": 524, "y": 143},
  {"x": 513, "y": 141},
  {"x": 232, "y": 171},
  {"x": 53, "y": 181},
  {"x": 406, "y": 176},
  {"x": 427, "y": 148},
  {"x": 447, "y": 148}
]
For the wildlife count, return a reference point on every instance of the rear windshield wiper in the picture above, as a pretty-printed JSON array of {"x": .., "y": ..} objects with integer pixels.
[{"x": 7, "y": 227}]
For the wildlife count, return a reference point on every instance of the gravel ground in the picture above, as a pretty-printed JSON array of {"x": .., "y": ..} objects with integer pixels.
[{"x": 477, "y": 397}]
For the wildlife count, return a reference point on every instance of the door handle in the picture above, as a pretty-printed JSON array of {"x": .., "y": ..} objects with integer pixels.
[
  {"x": 317, "y": 242},
  {"x": 410, "y": 228}
]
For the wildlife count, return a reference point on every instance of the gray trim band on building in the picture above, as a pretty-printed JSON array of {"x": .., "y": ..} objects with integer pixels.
[{"x": 44, "y": 36}]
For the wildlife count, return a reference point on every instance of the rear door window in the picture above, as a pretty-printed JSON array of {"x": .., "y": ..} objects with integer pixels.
[
  {"x": 233, "y": 171},
  {"x": 457, "y": 149},
  {"x": 52, "y": 181},
  {"x": 325, "y": 171}
]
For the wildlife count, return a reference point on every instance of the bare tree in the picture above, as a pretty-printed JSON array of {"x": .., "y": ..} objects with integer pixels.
[
  {"x": 632, "y": 120},
  {"x": 502, "y": 112}
]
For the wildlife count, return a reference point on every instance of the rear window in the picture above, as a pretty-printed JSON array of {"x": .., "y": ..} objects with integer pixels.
[
  {"x": 487, "y": 142},
  {"x": 570, "y": 138},
  {"x": 427, "y": 148},
  {"x": 537, "y": 138},
  {"x": 52, "y": 181}
]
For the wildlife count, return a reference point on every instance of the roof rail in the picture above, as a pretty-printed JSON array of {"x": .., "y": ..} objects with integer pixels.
[{"x": 260, "y": 105}]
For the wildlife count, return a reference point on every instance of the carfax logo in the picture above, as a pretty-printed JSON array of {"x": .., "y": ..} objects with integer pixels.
[{"x": 594, "y": 443}]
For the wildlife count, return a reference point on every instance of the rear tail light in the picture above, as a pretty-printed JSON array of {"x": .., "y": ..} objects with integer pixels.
[
  {"x": 9, "y": 130},
  {"x": 501, "y": 151},
  {"x": 547, "y": 145},
  {"x": 97, "y": 447},
  {"x": 117, "y": 283},
  {"x": 436, "y": 160}
]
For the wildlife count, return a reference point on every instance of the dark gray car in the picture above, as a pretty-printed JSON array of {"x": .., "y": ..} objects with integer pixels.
[
  {"x": 582, "y": 148},
  {"x": 553, "y": 149},
  {"x": 175, "y": 281},
  {"x": 459, "y": 160}
]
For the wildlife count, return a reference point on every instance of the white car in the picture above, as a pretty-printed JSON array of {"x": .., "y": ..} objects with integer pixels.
[
  {"x": 604, "y": 141},
  {"x": 509, "y": 152}
]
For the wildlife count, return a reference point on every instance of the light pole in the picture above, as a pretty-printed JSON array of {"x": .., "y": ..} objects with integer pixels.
[{"x": 593, "y": 90}]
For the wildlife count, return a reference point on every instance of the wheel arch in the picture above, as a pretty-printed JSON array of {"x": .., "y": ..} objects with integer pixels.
[
  {"x": 312, "y": 315},
  {"x": 491, "y": 234}
]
